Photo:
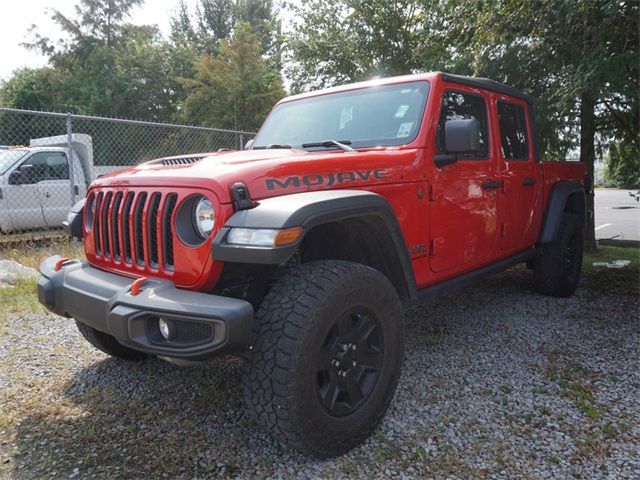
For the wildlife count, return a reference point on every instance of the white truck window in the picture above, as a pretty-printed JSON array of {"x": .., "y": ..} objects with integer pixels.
[{"x": 48, "y": 166}]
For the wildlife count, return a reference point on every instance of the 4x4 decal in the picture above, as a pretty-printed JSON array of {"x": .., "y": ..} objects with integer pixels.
[{"x": 325, "y": 179}]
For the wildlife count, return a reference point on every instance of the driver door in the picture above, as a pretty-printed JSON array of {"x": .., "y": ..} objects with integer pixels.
[
  {"x": 463, "y": 213},
  {"x": 22, "y": 199}
]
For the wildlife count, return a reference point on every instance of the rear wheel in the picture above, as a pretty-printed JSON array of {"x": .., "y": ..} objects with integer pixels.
[
  {"x": 557, "y": 270},
  {"x": 325, "y": 356},
  {"x": 108, "y": 344}
]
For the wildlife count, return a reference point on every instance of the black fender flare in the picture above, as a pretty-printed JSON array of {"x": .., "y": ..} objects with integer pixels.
[
  {"x": 556, "y": 206},
  {"x": 307, "y": 210},
  {"x": 73, "y": 224}
]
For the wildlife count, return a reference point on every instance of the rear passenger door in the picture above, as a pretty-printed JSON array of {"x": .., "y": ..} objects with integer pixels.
[
  {"x": 520, "y": 207},
  {"x": 463, "y": 213}
]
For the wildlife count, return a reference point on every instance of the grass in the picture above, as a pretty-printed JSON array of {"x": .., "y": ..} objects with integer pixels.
[
  {"x": 20, "y": 299},
  {"x": 624, "y": 280},
  {"x": 31, "y": 254}
]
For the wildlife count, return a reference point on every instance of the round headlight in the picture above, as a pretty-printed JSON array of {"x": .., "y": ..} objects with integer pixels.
[{"x": 204, "y": 217}]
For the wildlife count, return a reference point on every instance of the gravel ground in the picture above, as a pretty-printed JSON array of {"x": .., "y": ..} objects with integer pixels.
[{"x": 498, "y": 382}]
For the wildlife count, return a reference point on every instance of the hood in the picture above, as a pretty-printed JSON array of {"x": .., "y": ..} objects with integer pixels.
[{"x": 268, "y": 173}]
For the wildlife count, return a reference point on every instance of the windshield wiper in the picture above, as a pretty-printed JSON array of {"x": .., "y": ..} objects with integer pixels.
[
  {"x": 272, "y": 146},
  {"x": 342, "y": 145}
]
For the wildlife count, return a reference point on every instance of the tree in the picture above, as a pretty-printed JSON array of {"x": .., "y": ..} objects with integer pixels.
[
  {"x": 106, "y": 66},
  {"x": 623, "y": 165},
  {"x": 234, "y": 89},
  {"x": 215, "y": 21},
  {"x": 341, "y": 41},
  {"x": 32, "y": 89},
  {"x": 96, "y": 21}
]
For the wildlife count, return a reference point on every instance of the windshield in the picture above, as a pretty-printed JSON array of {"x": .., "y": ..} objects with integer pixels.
[
  {"x": 386, "y": 115},
  {"x": 9, "y": 158}
]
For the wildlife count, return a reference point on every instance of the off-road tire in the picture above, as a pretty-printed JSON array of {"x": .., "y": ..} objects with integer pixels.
[
  {"x": 280, "y": 378},
  {"x": 556, "y": 270},
  {"x": 108, "y": 344}
]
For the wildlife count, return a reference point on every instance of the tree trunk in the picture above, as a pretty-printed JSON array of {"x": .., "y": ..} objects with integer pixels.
[{"x": 588, "y": 156}]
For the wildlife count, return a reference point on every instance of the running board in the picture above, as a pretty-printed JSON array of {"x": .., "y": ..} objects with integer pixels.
[{"x": 447, "y": 286}]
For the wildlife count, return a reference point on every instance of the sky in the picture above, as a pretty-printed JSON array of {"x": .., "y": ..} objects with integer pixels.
[{"x": 18, "y": 17}]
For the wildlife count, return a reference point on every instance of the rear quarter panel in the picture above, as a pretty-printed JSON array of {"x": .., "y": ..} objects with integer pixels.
[{"x": 555, "y": 172}]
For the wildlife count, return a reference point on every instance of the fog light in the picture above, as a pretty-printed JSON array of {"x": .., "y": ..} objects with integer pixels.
[{"x": 167, "y": 329}]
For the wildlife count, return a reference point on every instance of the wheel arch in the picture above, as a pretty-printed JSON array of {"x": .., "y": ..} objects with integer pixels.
[
  {"x": 349, "y": 225},
  {"x": 565, "y": 196}
]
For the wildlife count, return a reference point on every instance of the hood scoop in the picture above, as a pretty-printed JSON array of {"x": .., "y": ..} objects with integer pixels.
[{"x": 171, "y": 161}]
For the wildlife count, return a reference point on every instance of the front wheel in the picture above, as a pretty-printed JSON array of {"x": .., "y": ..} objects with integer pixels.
[
  {"x": 557, "y": 270},
  {"x": 325, "y": 356}
]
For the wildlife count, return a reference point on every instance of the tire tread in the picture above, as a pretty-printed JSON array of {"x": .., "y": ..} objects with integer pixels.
[
  {"x": 271, "y": 367},
  {"x": 548, "y": 268}
]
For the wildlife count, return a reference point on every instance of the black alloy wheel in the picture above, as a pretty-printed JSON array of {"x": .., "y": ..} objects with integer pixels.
[{"x": 350, "y": 360}]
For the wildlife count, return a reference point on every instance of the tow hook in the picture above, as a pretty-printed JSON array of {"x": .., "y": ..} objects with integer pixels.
[
  {"x": 136, "y": 286},
  {"x": 58, "y": 266}
]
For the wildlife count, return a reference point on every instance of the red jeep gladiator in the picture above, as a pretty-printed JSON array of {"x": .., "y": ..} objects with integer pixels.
[{"x": 300, "y": 252}]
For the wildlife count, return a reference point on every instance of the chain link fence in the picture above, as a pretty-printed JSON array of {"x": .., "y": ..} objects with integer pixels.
[{"x": 47, "y": 160}]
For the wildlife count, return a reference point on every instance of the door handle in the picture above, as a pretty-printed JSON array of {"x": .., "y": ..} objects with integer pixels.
[
  {"x": 491, "y": 184},
  {"x": 527, "y": 182},
  {"x": 47, "y": 194}
]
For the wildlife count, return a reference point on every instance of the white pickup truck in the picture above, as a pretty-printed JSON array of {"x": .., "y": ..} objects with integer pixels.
[{"x": 36, "y": 190}]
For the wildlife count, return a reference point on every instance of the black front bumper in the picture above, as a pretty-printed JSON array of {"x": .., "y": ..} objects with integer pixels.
[{"x": 206, "y": 325}]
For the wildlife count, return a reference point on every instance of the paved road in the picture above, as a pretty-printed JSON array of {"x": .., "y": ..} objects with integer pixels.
[{"x": 617, "y": 215}]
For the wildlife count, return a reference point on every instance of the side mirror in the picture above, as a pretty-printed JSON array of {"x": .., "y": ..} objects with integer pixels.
[
  {"x": 27, "y": 173},
  {"x": 249, "y": 144},
  {"x": 16, "y": 178},
  {"x": 460, "y": 136}
]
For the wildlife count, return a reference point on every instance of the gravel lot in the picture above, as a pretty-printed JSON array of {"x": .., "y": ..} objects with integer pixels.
[{"x": 498, "y": 382}]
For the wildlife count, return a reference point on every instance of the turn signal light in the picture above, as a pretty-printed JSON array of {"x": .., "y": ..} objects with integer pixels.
[{"x": 288, "y": 236}]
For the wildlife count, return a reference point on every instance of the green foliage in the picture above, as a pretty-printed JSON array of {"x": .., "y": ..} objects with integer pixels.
[
  {"x": 95, "y": 22},
  {"x": 33, "y": 89},
  {"x": 101, "y": 66},
  {"x": 579, "y": 58},
  {"x": 623, "y": 165},
  {"x": 234, "y": 89},
  {"x": 341, "y": 41},
  {"x": 106, "y": 66},
  {"x": 215, "y": 21}
]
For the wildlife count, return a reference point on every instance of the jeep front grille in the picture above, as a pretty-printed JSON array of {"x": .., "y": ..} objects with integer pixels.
[{"x": 133, "y": 228}]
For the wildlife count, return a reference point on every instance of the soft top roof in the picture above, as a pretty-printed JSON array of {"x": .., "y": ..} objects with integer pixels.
[
  {"x": 477, "y": 82},
  {"x": 487, "y": 84}
]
